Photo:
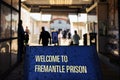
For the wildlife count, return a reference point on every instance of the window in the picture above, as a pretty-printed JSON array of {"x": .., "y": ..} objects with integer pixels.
[
  {"x": 14, "y": 48},
  {"x": 5, "y": 22},
  {"x": 8, "y": 1},
  {"x": 14, "y": 23},
  {"x": 15, "y": 4}
]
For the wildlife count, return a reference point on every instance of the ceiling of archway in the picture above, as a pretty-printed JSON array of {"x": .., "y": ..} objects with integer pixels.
[
  {"x": 57, "y": 5},
  {"x": 57, "y": 2}
]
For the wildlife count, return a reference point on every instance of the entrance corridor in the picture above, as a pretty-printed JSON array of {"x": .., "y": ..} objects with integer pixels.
[{"x": 100, "y": 17}]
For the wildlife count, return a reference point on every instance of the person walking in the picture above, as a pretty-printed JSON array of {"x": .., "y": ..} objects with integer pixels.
[
  {"x": 27, "y": 32},
  {"x": 21, "y": 36},
  {"x": 60, "y": 38},
  {"x": 76, "y": 38},
  {"x": 45, "y": 36}
]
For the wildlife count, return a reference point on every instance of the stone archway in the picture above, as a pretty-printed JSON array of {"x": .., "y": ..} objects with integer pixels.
[{"x": 59, "y": 23}]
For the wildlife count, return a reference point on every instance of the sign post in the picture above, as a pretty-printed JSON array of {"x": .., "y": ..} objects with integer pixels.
[{"x": 54, "y": 37}]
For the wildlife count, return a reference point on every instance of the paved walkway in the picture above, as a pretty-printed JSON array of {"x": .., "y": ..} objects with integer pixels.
[
  {"x": 16, "y": 74},
  {"x": 110, "y": 71}
]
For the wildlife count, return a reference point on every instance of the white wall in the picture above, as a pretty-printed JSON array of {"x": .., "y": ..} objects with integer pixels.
[{"x": 25, "y": 16}]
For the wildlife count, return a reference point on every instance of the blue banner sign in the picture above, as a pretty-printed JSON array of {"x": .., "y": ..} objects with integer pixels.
[
  {"x": 62, "y": 63},
  {"x": 54, "y": 37}
]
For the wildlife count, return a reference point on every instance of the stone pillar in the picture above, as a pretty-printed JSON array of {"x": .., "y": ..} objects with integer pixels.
[
  {"x": 102, "y": 13},
  {"x": 119, "y": 22}
]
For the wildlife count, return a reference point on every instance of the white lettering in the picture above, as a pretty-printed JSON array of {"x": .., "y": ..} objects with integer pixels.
[
  {"x": 76, "y": 69},
  {"x": 47, "y": 58},
  {"x": 50, "y": 68}
]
